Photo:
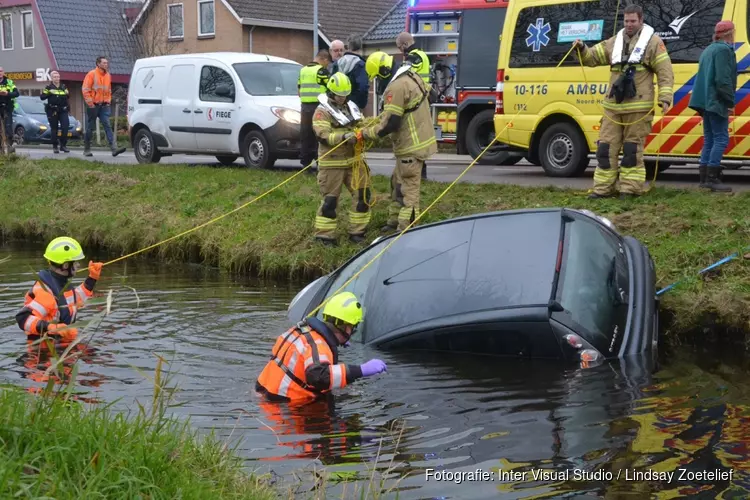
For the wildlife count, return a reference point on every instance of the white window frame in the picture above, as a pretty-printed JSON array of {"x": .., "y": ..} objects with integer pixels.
[
  {"x": 198, "y": 6},
  {"x": 2, "y": 31},
  {"x": 23, "y": 29},
  {"x": 169, "y": 20}
]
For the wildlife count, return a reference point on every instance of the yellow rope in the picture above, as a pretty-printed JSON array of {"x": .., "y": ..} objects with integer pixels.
[
  {"x": 216, "y": 219},
  {"x": 434, "y": 202}
]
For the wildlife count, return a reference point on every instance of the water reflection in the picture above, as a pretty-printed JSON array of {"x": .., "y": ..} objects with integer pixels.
[{"x": 446, "y": 413}]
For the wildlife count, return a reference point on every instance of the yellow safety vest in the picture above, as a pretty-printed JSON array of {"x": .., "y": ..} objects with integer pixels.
[
  {"x": 310, "y": 85},
  {"x": 424, "y": 69},
  {"x": 9, "y": 86}
]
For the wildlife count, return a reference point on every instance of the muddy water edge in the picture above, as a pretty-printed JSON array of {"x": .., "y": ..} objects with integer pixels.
[{"x": 623, "y": 427}]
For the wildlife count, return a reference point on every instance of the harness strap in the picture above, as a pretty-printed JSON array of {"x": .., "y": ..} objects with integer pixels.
[{"x": 424, "y": 95}]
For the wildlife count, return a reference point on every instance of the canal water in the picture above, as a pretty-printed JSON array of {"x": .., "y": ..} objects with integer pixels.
[{"x": 431, "y": 427}]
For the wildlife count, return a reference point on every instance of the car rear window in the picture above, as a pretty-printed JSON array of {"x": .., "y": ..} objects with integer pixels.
[{"x": 268, "y": 78}]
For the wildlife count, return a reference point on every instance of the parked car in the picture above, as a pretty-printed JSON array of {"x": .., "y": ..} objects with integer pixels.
[
  {"x": 539, "y": 283},
  {"x": 224, "y": 104},
  {"x": 30, "y": 123}
]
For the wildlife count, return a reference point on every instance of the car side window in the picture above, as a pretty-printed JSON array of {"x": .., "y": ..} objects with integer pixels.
[{"x": 216, "y": 85}]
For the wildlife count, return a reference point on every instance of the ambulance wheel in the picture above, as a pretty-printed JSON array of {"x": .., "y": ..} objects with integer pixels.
[
  {"x": 479, "y": 134},
  {"x": 563, "y": 151}
]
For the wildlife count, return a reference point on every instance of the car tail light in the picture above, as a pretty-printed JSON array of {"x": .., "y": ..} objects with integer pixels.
[
  {"x": 590, "y": 358},
  {"x": 499, "y": 106},
  {"x": 574, "y": 340}
]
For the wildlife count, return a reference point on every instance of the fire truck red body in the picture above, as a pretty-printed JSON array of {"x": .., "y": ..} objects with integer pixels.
[{"x": 462, "y": 39}]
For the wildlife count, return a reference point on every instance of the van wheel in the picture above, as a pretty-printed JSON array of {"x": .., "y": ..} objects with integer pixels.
[
  {"x": 479, "y": 134},
  {"x": 563, "y": 151},
  {"x": 256, "y": 152},
  {"x": 227, "y": 160},
  {"x": 145, "y": 149}
]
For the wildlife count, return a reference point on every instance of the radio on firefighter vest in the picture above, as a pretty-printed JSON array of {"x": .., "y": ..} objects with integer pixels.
[{"x": 624, "y": 86}]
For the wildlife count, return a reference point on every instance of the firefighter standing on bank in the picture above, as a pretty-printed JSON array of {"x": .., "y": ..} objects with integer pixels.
[
  {"x": 334, "y": 123},
  {"x": 312, "y": 82},
  {"x": 635, "y": 54},
  {"x": 406, "y": 115},
  {"x": 304, "y": 362},
  {"x": 56, "y": 94},
  {"x": 420, "y": 62}
]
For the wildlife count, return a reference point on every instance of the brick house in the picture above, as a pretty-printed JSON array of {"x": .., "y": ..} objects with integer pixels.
[
  {"x": 281, "y": 28},
  {"x": 39, "y": 36}
]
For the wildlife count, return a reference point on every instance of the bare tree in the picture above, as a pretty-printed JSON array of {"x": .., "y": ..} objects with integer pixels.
[{"x": 152, "y": 34}]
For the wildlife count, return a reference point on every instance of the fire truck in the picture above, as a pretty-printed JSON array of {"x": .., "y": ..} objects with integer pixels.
[{"x": 462, "y": 38}]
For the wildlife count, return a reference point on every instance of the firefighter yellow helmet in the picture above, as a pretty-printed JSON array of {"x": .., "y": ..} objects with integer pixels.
[
  {"x": 339, "y": 84},
  {"x": 379, "y": 64},
  {"x": 344, "y": 307},
  {"x": 63, "y": 249}
]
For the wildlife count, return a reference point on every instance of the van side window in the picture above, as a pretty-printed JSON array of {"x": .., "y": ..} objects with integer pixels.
[
  {"x": 211, "y": 79},
  {"x": 543, "y": 35},
  {"x": 686, "y": 27}
]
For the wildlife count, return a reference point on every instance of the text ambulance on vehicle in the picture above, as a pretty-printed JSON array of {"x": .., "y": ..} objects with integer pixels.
[{"x": 553, "y": 114}]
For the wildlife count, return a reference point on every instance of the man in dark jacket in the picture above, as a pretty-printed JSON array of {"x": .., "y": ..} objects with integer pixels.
[
  {"x": 8, "y": 94},
  {"x": 353, "y": 65},
  {"x": 712, "y": 98}
]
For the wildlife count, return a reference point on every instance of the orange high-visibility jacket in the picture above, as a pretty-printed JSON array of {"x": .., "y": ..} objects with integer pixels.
[
  {"x": 97, "y": 87},
  {"x": 304, "y": 364},
  {"x": 48, "y": 302}
]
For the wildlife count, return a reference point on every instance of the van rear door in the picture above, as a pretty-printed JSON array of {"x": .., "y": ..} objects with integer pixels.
[{"x": 179, "y": 106}]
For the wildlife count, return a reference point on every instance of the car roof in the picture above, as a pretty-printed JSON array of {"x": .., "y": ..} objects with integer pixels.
[{"x": 225, "y": 57}]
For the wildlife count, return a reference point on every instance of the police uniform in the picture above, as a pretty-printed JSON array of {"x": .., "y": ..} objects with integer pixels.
[
  {"x": 7, "y": 104},
  {"x": 331, "y": 123},
  {"x": 406, "y": 116},
  {"x": 634, "y": 61},
  {"x": 312, "y": 80},
  {"x": 57, "y": 108}
]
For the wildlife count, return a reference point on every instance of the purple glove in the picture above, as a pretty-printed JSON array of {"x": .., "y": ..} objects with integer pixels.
[{"x": 373, "y": 367}]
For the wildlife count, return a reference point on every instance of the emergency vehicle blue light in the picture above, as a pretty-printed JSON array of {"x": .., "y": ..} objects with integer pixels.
[{"x": 412, "y": 3}]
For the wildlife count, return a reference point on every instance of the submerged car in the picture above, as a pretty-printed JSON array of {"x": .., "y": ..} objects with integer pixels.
[
  {"x": 540, "y": 283},
  {"x": 30, "y": 122}
]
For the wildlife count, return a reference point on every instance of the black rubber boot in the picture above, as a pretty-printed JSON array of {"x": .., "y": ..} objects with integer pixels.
[
  {"x": 116, "y": 151},
  {"x": 703, "y": 172},
  {"x": 327, "y": 242},
  {"x": 595, "y": 196},
  {"x": 55, "y": 149},
  {"x": 64, "y": 148},
  {"x": 713, "y": 181},
  {"x": 356, "y": 238}
]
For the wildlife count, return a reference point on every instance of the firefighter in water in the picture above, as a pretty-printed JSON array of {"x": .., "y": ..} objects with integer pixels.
[
  {"x": 334, "y": 122},
  {"x": 312, "y": 82},
  {"x": 50, "y": 306},
  {"x": 420, "y": 62},
  {"x": 56, "y": 94},
  {"x": 304, "y": 364},
  {"x": 635, "y": 54},
  {"x": 406, "y": 115}
]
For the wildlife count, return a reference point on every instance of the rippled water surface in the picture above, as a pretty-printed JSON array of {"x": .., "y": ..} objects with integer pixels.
[{"x": 427, "y": 413}]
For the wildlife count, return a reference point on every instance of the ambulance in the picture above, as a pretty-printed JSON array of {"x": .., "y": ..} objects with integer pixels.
[{"x": 553, "y": 114}]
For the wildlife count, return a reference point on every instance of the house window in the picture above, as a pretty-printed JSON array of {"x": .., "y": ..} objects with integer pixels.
[
  {"x": 206, "y": 23},
  {"x": 7, "y": 28},
  {"x": 175, "y": 21},
  {"x": 28, "y": 29},
  {"x": 213, "y": 81}
]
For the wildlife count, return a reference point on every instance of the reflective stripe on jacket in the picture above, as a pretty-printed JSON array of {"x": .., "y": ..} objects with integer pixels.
[
  {"x": 330, "y": 133},
  {"x": 97, "y": 87},
  {"x": 8, "y": 101},
  {"x": 56, "y": 97},
  {"x": 42, "y": 305},
  {"x": 303, "y": 364},
  {"x": 312, "y": 82}
]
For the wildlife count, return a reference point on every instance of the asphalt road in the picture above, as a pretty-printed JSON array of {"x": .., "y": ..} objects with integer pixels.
[{"x": 442, "y": 167}]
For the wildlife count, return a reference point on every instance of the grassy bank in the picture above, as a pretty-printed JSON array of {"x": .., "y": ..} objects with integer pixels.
[
  {"x": 128, "y": 207},
  {"x": 55, "y": 449}
]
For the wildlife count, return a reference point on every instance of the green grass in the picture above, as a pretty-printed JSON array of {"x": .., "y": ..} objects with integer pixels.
[{"x": 128, "y": 207}]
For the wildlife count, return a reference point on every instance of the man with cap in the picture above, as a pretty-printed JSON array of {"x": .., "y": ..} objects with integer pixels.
[{"x": 713, "y": 97}]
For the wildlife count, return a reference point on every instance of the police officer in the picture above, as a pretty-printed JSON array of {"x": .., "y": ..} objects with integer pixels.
[
  {"x": 334, "y": 122},
  {"x": 635, "y": 54},
  {"x": 420, "y": 62},
  {"x": 56, "y": 94},
  {"x": 304, "y": 362},
  {"x": 406, "y": 115},
  {"x": 312, "y": 82},
  {"x": 8, "y": 94}
]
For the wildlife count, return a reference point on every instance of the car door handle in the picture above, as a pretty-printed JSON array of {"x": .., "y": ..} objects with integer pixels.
[
  {"x": 186, "y": 110},
  {"x": 198, "y": 111}
]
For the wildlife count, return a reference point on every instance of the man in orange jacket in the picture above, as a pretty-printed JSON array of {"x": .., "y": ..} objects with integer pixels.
[
  {"x": 51, "y": 305},
  {"x": 97, "y": 92}
]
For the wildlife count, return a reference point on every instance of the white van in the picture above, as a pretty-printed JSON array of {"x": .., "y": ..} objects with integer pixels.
[{"x": 224, "y": 104}]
